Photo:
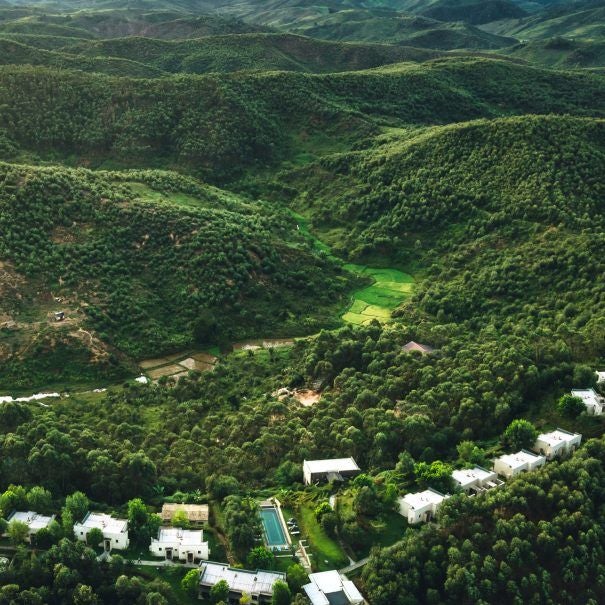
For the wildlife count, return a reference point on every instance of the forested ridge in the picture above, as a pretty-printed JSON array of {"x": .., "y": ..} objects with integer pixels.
[{"x": 186, "y": 188}]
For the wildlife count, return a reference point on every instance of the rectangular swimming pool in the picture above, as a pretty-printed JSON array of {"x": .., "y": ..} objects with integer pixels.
[{"x": 274, "y": 532}]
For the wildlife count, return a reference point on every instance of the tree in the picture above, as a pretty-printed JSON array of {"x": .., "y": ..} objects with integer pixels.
[
  {"x": 137, "y": 517},
  {"x": 570, "y": 406},
  {"x": 18, "y": 532},
  {"x": 321, "y": 509},
  {"x": 437, "y": 475},
  {"x": 190, "y": 582},
  {"x": 94, "y": 537},
  {"x": 219, "y": 592},
  {"x": 297, "y": 577},
  {"x": 519, "y": 434},
  {"x": 39, "y": 500},
  {"x": 84, "y": 595},
  {"x": 281, "y": 594},
  {"x": 14, "y": 498},
  {"x": 221, "y": 486},
  {"x": 76, "y": 505},
  {"x": 180, "y": 519},
  {"x": 245, "y": 599},
  {"x": 260, "y": 557}
]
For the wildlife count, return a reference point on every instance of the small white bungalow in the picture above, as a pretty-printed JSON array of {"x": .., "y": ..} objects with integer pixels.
[
  {"x": 174, "y": 543},
  {"x": 421, "y": 506},
  {"x": 600, "y": 377},
  {"x": 595, "y": 404},
  {"x": 335, "y": 469},
  {"x": 412, "y": 346},
  {"x": 475, "y": 480},
  {"x": 115, "y": 531},
  {"x": 34, "y": 521},
  {"x": 557, "y": 443},
  {"x": 329, "y": 587},
  {"x": 511, "y": 465}
]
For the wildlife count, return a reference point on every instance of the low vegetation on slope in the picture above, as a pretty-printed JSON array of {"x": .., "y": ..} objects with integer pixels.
[{"x": 149, "y": 275}]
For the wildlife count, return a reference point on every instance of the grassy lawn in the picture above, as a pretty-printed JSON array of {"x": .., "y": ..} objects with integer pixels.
[{"x": 326, "y": 552}]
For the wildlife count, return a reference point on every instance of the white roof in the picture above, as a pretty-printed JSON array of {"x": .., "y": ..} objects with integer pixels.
[
  {"x": 555, "y": 437},
  {"x": 329, "y": 583},
  {"x": 105, "y": 523},
  {"x": 519, "y": 459},
  {"x": 588, "y": 396},
  {"x": 33, "y": 520},
  {"x": 600, "y": 377},
  {"x": 335, "y": 465},
  {"x": 184, "y": 537},
  {"x": 240, "y": 580},
  {"x": 422, "y": 499},
  {"x": 469, "y": 475}
]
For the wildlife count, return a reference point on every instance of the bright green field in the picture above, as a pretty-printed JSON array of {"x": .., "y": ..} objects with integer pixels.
[{"x": 390, "y": 288}]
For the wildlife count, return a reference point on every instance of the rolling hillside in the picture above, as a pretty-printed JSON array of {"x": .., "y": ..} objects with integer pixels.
[
  {"x": 221, "y": 125},
  {"x": 144, "y": 263}
]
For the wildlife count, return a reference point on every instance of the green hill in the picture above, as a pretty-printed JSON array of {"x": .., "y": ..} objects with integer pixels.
[
  {"x": 469, "y": 11},
  {"x": 220, "y": 125},
  {"x": 144, "y": 263},
  {"x": 249, "y": 52},
  {"x": 561, "y": 53}
]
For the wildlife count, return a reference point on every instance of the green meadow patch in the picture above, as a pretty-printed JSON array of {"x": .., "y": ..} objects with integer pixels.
[{"x": 391, "y": 287}]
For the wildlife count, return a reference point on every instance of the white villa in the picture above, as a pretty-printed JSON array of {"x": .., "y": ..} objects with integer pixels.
[
  {"x": 595, "y": 404},
  {"x": 418, "y": 347},
  {"x": 336, "y": 469},
  {"x": 174, "y": 543},
  {"x": 511, "y": 465},
  {"x": 600, "y": 377},
  {"x": 557, "y": 443},
  {"x": 258, "y": 584},
  {"x": 115, "y": 531},
  {"x": 329, "y": 588},
  {"x": 421, "y": 506},
  {"x": 476, "y": 479},
  {"x": 34, "y": 521}
]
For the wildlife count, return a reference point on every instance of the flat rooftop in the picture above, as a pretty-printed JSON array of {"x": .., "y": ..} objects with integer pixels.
[
  {"x": 468, "y": 475},
  {"x": 558, "y": 436},
  {"x": 333, "y": 465},
  {"x": 105, "y": 523},
  {"x": 422, "y": 499},
  {"x": 240, "y": 580},
  {"x": 520, "y": 458},
  {"x": 175, "y": 535},
  {"x": 198, "y": 513},
  {"x": 589, "y": 396},
  {"x": 33, "y": 520},
  {"x": 326, "y": 586}
]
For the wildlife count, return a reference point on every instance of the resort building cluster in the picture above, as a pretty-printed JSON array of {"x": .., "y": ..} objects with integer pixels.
[{"x": 423, "y": 506}]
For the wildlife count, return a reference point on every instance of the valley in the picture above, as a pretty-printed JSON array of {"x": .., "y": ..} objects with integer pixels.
[{"x": 302, "y": 303}]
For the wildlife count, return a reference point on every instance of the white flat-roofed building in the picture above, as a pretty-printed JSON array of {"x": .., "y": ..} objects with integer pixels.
[
  {"x": 476, "y": 479},
  {"x": 557, "y": 443},
  {"x": 511, "y": 465},
  {"x": 412, "y": 346},
  {"x": 592, "y": 400},
  {"x": 34, "y": 521},
  {"x": 421, "y": 506},
  {"x": 600, "y": 377},
  {"x": 330, "y": 588},
  {"x": 335, "y": 469},
  {"x": 182, "y": 544},
  {"x": 258, "y": 584},
  {"x": 115, "y": 531}
]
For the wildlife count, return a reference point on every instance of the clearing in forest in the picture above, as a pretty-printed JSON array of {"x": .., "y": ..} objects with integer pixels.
[{"x": 390, "y": 288}]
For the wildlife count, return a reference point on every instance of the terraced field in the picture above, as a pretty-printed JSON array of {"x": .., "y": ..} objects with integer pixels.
[{"x": 390, "y": 288}]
